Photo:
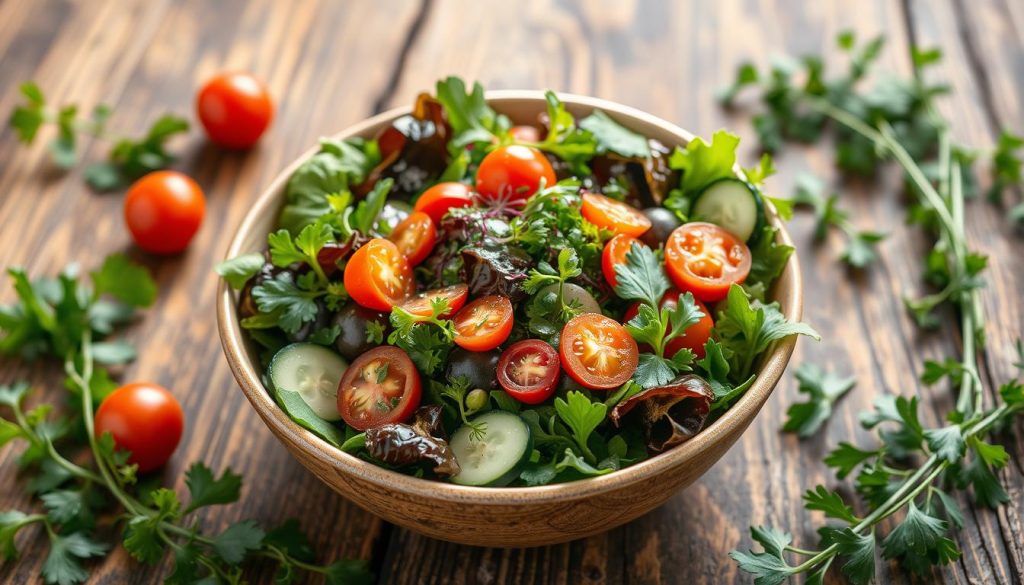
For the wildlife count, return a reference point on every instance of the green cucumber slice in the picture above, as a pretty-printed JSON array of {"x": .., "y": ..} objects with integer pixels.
[
  {"x": 496, "y": 457},
  {"x": 313, "y": 372},
  {"x": 732, "y": 204}
]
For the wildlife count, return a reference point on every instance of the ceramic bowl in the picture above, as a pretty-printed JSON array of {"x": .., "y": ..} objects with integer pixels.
[{"x": 506, "y": 517}]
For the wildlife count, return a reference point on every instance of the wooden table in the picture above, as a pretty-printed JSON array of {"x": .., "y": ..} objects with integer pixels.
[{"x": 330, "y": 64}]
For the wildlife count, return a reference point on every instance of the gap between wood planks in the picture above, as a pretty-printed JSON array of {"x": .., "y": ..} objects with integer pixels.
[{"x": 388, "y": 92}]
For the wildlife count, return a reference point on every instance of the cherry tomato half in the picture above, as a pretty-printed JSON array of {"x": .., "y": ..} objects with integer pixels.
[
  {"x": 484, "y": 324},
  {"x": 415, "y": 237},
  {"x": 509, "y": 175},
  {"x": 529, "y": 370},
  {"x": 619, "y": 217},
  {"x": 614, "y": 254},
  {"x": 693, "y": 338},
  {"x": 235, "y": 109},
  {"x": 706, "y": 260},
  {"x": 437, "y": 200},
  {"x": 525, "y": 133},
  {"x": 378, "y": 276},
  {"x": 381, "y": 386},
  {"x": 163, "y": 210},
  {"x": 145, "y": 419},
  {"x": 422, "y": 303},
  {"x": 598, "y": 352}
]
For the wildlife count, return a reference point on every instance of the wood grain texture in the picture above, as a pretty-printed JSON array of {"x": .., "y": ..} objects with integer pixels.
[{"x": 332, "y": 63}]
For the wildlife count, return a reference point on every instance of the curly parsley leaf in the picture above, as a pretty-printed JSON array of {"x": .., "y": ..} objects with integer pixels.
[
  {"x": 63, "y": 564},
  {"x": 581, "y": 416},
  {"x": 768, "y": 257},
  {"x": 471, "y": 118},
  {"x": 746, "y": 329},
  {"x": 715, "y": 368},
  {"x": 858, "y": 550},
  {"x": 767, "y": 567},
  {"x": 427, "y": 346},
  {"x": 641, "y": 277},
  {"x": 823, "y": 389},
  {"x": 280, "y": 296},
  {"x": 829, "y": 502},
  {"x": 564, "y": 140},
  {"x": 205, "y": 490},
  {"x": 237, "y": 540},
  {"x": 920, "y": 541}
]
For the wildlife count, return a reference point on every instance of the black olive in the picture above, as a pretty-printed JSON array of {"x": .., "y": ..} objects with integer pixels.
[
  {"x": 352, "y": 319},
  {"x": 479, "y": 367},
  {"x": 663, "y": 222}
]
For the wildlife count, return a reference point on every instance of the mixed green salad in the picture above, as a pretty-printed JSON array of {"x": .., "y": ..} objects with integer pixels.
[{"x": 491, "y": 304}]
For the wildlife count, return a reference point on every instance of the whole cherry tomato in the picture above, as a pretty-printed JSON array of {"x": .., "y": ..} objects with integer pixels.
[
  {"x": 235, "y": 109},
  {"x": 145, "y": 419},
  {"x": 163, "y": 210},
  {"x": 509, "y": 175}
]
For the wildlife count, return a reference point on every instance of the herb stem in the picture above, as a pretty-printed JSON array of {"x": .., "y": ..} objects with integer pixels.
[
  {"x": 82, "y": 380},
  {"x": 73, "y": 469}
]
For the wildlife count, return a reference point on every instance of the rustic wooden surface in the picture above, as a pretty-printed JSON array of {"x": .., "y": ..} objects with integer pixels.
[{"x": 331, "y": 63}]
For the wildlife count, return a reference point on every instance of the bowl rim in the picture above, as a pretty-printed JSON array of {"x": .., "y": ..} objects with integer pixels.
[{"x": 249, "y": 379}]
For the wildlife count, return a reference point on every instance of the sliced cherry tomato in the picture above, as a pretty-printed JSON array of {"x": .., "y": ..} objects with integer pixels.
[
  {"x": 378, "y": 276},
  {"x": 614, "y": 254},
  {"x": 437, "y": 200},
  {"x": 484, "y": 324},
  {"x": 163, "y": 210},
  {"x": 598, "y": 352},
  {"x": 235, "y": 109},
  {"x": 706, "y": 260},
  {"x": 693, "y": 338},
  {"x": 529, "y": 370},
  {"x": 613, "y": 215},
  {"x": 509, "y": 175},
  {"x": 525, "y": 133},
  {"x": 415, "y": 237},
  {"x": 381, "y": 386},
  {"x": 422, "y": 303},
  {"x": 145, "y": 419}
]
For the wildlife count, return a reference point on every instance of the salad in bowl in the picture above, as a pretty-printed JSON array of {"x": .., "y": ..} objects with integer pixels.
[{"x": 470, "y": 300}]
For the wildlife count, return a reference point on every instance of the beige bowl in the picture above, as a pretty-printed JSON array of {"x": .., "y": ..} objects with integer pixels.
[{"x": 501, "y": 516}]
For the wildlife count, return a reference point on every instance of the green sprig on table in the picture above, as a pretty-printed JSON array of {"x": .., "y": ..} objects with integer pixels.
[
  {"x": 67, "y": 319},
  {"x": 128, "y": 158},
  {"x": 912, "y": 468}
]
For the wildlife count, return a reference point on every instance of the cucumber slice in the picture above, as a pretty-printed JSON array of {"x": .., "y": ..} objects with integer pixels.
[
  {"x": 496, "y": 458},
  {"x": 732, "y": 204},
  {"x": 313, "y": 372}
]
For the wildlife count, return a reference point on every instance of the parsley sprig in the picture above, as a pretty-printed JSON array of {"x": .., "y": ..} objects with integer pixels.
[
  {"x": 128, "y": 158},
  {"x": 67, "y": 319},
  {"x": 426, "y": 338},
  {"x": 911, "y": 469},
  {"x": 643, "y": 279},
  {"x": 548, "y": 312},
  {"x": 861, "y": 245}
]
